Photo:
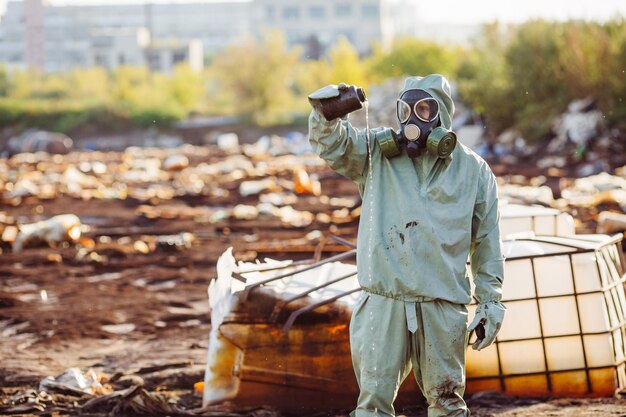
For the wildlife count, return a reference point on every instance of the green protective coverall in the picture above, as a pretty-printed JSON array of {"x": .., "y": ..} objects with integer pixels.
[{"x": 421, "y": 220}]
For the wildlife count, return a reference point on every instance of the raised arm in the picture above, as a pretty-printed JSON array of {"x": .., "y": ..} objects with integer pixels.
[{"x": 339, "y": 144}]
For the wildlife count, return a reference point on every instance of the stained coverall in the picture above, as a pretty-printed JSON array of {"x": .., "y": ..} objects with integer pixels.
[{"x": 421, "y": 220}]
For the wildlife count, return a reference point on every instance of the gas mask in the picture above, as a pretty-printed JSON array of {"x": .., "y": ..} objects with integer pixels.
[{"x": 420, "y": 130}]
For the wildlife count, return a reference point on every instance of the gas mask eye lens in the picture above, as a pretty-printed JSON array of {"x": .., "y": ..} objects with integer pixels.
[
  {"x": 403, "y": 110},
  {"x": 427, "y": 109}
]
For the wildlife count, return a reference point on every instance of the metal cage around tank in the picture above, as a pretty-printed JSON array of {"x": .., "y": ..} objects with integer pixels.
[
  {"x": 564, "y": 333},
  {"x": 565, "y": 329}
]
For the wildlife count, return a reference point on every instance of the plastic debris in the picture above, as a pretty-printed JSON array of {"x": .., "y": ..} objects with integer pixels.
[
  {"x": 198, "y": 387},
  {"x": 580, "y": 123},
  {"x": 29, "y": 401},
  {"x": 9, "y": 234},
  {"x": 228, "y": 142},
  {"x": 179, "y": 241},
  {"x": 123, "y": 328},
  {"x": 526, "y": 194},
  {"x": 32, "y": 141},
  {"x": 278, "y": 199},
  {"x": 75, "y": 382},
  {"x": 245, "y": 212},
  {"x": 295, "y": 218},
  {"x": 248, "y": 188},
  {"x": 610, "y": 222},
  {"x": 303, "y": 184},
  {"x": 175, "y": 163},
  {"x": 61, "y": 228},
  {"x": 22, "y": 188}
]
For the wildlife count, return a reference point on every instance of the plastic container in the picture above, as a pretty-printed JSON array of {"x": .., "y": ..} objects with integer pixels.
[
  {"x": 281, "y": 328},
  {"x": 563, "y": 333},
  {"x": 517, "y": 219}
]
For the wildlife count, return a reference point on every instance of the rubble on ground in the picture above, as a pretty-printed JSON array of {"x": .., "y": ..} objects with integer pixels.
[{"x": 152, "y": 224}]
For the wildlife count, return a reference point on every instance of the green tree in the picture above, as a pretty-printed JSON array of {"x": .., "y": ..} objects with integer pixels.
[
  {"x": 483, "y": 78},
  {"x": 535, "y": 72},
  {"x": 616, "y": 97},
  {"x": 259, "y": 76},
  {"x": 4, "y": 81},
  {"x": 91, "y": 84},
  {"x": 186, "y": 87},
  {"x": 412, "y": 56},
  {"x": 345, "y": 64}
]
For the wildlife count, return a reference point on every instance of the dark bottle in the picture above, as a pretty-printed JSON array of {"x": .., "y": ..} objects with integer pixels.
[{"x": 345, "y": 100}]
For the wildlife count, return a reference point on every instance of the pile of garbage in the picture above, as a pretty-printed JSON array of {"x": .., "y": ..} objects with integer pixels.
[
  {"x": 597, "y": 202},
  {"x": 275, "y": 182},
  {"x": 77, "y": 391},
  {"x": 33, "y": 140},
  {"x": 579, "y": 144}
]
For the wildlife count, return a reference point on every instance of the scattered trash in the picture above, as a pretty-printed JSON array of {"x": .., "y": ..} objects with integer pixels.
[
  {"x": 123, "y": 328},
  {"x": 245, "y": 212},
  {"x": 581, "y": 122},
  {"x": 198, "y": 387},
  {"x": 109, "y": 276},
  {"x": 609, "y": 222},
  {"x": 29, "y": 401},
  {"x": 61, "y": 228},
  {"x": 526, "y": 194},
  {"x": 207, "y": 197},
  {"x": 259, "y": 149},
  {"x": 278, "y": 199},
  {"x": 179, "y": 241},
  {"x": 9, "y": 234},
  {"x": 75, "y": 382},
  {"x": 552, "y": 161},
  {"x": 22, "y": 188},
  {"x": 175, "y": 163},
  {"x": 248, "y": 188},
  {"x": 228, "y": 142},
  {"x": 288, "y": 215},
  {"x": 32, "y": 141},
  {"x": 592, "y": 168},
  {"x": 305, "y": 185},
  {"x": 141, "y": 247}
]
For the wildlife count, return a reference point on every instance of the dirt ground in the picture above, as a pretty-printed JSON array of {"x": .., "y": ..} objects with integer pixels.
[{"x": 145, "y": 314}]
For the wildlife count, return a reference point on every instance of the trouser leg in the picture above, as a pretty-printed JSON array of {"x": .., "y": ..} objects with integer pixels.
[
  {"x": 439, "y": 357},
  {"x": 379, "y": 341}
]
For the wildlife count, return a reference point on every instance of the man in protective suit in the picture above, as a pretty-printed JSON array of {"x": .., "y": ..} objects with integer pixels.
[{"x": 428, "y": 206}]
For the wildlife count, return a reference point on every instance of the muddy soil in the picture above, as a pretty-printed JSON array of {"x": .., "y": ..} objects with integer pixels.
[{"x": 146, "y": 315}]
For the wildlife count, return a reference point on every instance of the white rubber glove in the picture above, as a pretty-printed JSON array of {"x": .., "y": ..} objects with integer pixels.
[{"x": 490, "y": 315}]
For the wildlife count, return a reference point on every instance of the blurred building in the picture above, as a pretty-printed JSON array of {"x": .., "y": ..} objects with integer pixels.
[
  {"x": 56, "y": 38},
  {"x": 317, "y": 24}
]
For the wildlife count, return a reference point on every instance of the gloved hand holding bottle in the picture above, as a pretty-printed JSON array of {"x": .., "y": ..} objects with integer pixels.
[
  {"x": 333, "y": 101},
  {"x": 487, "y": 323}
]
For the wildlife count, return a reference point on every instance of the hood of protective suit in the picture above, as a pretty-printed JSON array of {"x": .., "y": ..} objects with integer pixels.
[{"x": 437, "y": 86}]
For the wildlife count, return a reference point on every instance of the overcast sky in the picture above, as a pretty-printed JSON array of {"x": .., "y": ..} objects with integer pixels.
[{"x": 477, "y": 11}]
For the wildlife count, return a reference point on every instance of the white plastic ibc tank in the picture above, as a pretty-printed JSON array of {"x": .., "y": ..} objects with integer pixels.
[
  {"x": 516, "y": 219},
  {"x": 563, "y": 333}
]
